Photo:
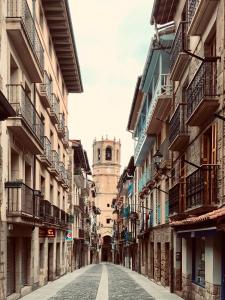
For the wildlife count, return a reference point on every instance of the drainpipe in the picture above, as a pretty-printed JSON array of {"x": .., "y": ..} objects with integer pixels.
[{"x": 172, "y": 262}]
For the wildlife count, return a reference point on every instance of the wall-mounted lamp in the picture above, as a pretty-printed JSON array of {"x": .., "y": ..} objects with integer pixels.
[{"x": 157, "y": 159}]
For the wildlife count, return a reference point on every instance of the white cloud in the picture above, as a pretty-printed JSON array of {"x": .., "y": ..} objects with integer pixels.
[{"x": 112, "y": 39}]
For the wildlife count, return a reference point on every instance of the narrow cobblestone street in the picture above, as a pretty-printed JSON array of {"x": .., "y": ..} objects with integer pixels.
[{"x": 102, "y": 282}]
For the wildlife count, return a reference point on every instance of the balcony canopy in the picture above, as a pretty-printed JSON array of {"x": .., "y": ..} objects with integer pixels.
[
  {"x": 163, "y": 11},
  {"x": 80, "y": 156},
  {"x": 6, "y": 109},
  {"x": 60, "y": 25}
]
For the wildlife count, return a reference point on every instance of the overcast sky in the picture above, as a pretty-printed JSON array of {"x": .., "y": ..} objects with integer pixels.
[{"x": 112, "y": 39}]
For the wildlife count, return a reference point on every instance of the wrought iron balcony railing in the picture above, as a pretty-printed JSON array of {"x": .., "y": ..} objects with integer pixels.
[
  {"x": 46, "y": 211},
  {"x": 203, "y": 86},
  {"x": 23, "y": 201},
  {"x": 180, "y": 43},
  {"x": 66, "y": 136},
  {"x": 54, "y": 109},
  {"x": 201, "y": 187},
  {"x": 192, "y": 5},
  {"x": 47, "y": 148},
  {"x": 20, "y": 9},
  {"x": 24, "y": 108},
  {"x": 61, "y": 125},
  {"x": 56, "y": 214},
  {"x": 55, "y": 161},
  {"x": 178, "y": 131},
  {"x": 46, "y": 88}
]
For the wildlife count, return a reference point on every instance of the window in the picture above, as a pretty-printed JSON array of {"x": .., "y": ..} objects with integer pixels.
[
  {"x": 98, "y": 154},
  {"x": 198, "y": 256},
  {"x": 57, "y": 69},
  {"x": 108, "y": 205},
  {"x": 108, "y": 153},
  {"x": 108, "y": 221}
]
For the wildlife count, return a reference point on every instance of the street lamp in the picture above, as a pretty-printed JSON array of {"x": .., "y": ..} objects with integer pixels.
[{"x": 157, "y": 159}]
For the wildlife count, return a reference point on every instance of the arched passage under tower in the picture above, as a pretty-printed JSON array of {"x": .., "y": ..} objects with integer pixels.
[{"x": 107, "y": 248}]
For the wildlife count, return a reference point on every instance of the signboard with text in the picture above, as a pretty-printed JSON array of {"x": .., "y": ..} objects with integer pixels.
[
  {"x": 46, "y": 232},
  {"x": 69, "y": 235}
]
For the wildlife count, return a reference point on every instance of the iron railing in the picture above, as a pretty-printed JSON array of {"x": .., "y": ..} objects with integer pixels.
[
  {"x": 66, "y": 135},
  {"x": 56, "y": 214},
  {"x": 204, "y": 84},
  {"x": 180, "y": 43},
  {"x": 24, "y": 108},
  {"x": 20, "y": 9},
  {"x": 61, "y": 124},
  {"x": 47, "y": 148},
  {"x": 192, "y": 7},
  {"x": 55, "y": 106},
  {"x": 46, "y": 87},
  {"x": 174, "y": 198},
  {"x": 22, "y": 200},
  {"x": 201, "y": 187},
  {"x": 177, "y": 124},
  {"x": 46, "y": 211},
  {"x": 61, "y": 170},
  {"x": 55, "y": 161}
]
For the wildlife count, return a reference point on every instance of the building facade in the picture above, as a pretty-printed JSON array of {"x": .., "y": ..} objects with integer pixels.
[
  {"x": 79, "y": 197},
  {"x": 106, "y": 173},
  {"x": 196, "y": 136},
  {"x": 36, "y": 77}
]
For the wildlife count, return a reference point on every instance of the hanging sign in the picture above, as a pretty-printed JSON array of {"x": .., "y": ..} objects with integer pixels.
[{"x": 69, "y": 235}]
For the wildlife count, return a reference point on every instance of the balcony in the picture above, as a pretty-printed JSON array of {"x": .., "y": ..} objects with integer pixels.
[
  {"x": 61, "y": 172},
  {"x": 147, "y": 179},
  {"x": 56, "y": 215},
  {"x": 61, "y": 125},
  {"x": 45, "y": 91},
  {"x": 46, "y": 212},
  {"x": 66, "y": 137},
  {"x": 54, "y": 110},
  {"x": 65, "y": 179},
  {"x": 201, "y": 189},
  {"x": 27, "y": 125},
  {"x": 142, "y": 148},
  {"x": 202, "y": 95},
  {"x": 22, "y": 32},
  {"x": 179, "y": 57},
  {"x": 199, "y": 14},
  {"x": 23, "y": 203},
  {"x": 46, "y": 158},
  {"x": 160, "y": 105},
  {"x": 178, "y": 134},
  {"x": 54, "y": 169}
]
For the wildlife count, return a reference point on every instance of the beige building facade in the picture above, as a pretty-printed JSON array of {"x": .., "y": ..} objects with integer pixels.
[
  {"x": 106, "y": 173},
  {"x": 36, "y": 76}
]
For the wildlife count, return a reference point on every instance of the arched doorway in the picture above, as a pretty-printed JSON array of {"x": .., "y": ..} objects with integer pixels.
[{"x": 107, "y": 248}]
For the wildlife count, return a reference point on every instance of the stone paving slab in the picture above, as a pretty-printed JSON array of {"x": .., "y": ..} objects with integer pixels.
[
  {"x": 102, "y": 282},
  {"x": 122, "y": 286}
]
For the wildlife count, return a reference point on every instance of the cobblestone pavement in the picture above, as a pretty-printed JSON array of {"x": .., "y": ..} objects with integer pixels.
[
  {"x": 102, "y": 282},
  {"x": 122, "y": 286},
  {"x": 83, "y": 288}
]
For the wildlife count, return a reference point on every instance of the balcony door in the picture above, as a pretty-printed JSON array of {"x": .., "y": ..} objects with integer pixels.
[
  {"x": 208, "y": 157},
  {"x": 208, "y": 146}
]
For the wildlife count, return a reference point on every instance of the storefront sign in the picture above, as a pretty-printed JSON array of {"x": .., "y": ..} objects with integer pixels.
[
  {"x": 46, "y": 232},
  {"x": 69, "y": 236}
]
